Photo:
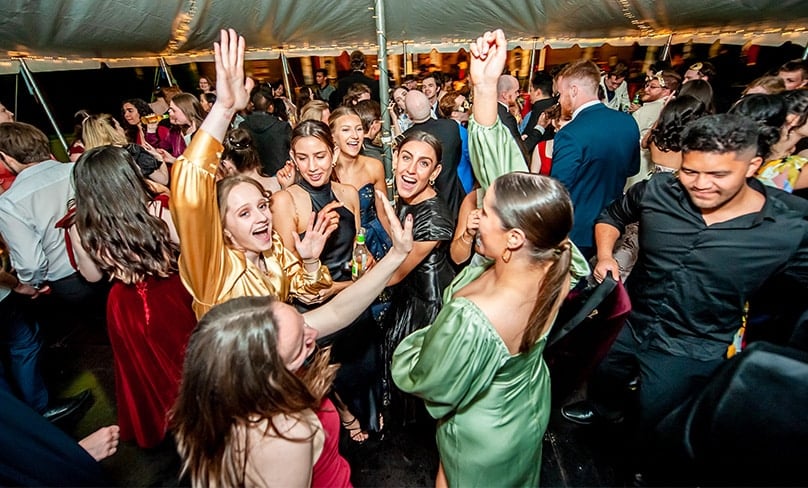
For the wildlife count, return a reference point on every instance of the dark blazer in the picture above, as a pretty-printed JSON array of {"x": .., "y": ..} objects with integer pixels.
[
  {"x": 447, "y": 184},
  {"x": 592, "y": 156},
  {"x": 335, "y": 100},
  {"x": 533, "y": 135},
  {"x": 509, "y": 121}
]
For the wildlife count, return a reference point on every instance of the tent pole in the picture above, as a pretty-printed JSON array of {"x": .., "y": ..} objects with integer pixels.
[
  {"x": 164, "y": 66},
  {"x": 384, "y": 86},
  {"x": 805, "y": 53},
  {"x": 532, "y": 62},
  {"x": 286, "y": 86},
  {"x": 26, "y": 73}
]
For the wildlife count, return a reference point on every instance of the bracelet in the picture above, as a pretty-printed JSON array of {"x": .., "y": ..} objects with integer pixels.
[
  {"x": 463, "y": 237},
  {"x": 311, "y": 261}
]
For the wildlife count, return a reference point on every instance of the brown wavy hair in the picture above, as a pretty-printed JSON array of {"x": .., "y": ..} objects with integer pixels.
[
  {"x": 233, "y": 377},
  {"x": 541, "y": 208},
  {"x": 112, "y": 217}
]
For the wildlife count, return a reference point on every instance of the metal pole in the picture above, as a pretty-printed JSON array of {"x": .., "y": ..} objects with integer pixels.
[
  {"x": 384, "y": 86},
  {"x": 666, "y": 51},
  {"x": 287, "y": 88},
  {"x": 26, "y": 73},
  {"x": 164, "y": 66},
  {"x": 532, "y": 62},
  {"x": 805, "y": 53}
]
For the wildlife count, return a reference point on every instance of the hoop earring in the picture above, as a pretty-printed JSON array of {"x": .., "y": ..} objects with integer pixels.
[
  {"x": 431, "y": 182},
  {"x": 334, "y": 164},
  {"x": 506, "y": 255}
]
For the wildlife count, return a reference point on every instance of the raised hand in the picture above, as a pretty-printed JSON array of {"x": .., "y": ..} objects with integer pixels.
[
  {"x": 232, "y": 87},
  {"x": 400, "y": 235},
  {"x": 319, "y": 229},
  {"x": 488, "y": 56},
  {"x": 286, "y": 175}
]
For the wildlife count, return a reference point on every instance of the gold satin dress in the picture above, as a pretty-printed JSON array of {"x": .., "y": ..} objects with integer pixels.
[{"x": 211, "y": 271}]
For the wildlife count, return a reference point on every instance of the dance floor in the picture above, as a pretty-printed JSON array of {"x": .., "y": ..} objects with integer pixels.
[{"x": 80, "y": 357}]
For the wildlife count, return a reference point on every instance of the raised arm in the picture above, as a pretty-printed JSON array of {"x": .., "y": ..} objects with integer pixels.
[
  {"x": 492, "y": 149},
  {"x": 352, "y": 301}
]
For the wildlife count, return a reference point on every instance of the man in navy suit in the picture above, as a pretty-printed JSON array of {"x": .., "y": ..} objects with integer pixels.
[{"x": 594, "y": 153}]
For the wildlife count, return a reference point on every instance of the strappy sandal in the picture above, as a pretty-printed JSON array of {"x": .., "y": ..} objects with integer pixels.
[{"x": 355, "y": 433}]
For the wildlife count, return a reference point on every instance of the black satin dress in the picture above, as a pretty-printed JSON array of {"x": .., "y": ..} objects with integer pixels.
[
  {"x": 418, "y": 298},
  {"x": 356, "y": 347}
]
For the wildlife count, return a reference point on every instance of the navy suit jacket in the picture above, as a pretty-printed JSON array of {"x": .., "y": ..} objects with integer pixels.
[{"x": 592, "y": 156}]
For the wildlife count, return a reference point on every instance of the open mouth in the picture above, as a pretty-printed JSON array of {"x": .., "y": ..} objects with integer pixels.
[
  {"x": 262, "y": 232},
  {"x": 406, "y": 183}
]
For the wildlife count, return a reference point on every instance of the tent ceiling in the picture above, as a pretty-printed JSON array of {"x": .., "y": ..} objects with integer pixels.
[{"x": 56, "y": 34}]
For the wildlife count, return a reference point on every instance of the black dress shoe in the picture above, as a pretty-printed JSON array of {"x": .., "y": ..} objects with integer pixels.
[
  {"x": 579, "y": 413},
  {"x": 66, "y": 407},
  {"x": 584, "y": 414}
]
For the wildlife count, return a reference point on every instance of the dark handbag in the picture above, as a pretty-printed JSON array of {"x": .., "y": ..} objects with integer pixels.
[{"x": 587, "y": 325}]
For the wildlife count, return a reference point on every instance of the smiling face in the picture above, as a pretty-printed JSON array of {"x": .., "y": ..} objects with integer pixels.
[
  {"x": 348, "y": 134},
  {"x": 313, "y": 159},
  {"x": 204, "y": 84},
  {"x": 296, "y": 340},
  {"x": 176, "y": 116},
  {"x": 247, "y": 219},
  {"x": 416, "y": 164},
  {"x": 613, "y": 82},
  {"x": 130, "y": 114},
  {"x": 715, "y": 180}
]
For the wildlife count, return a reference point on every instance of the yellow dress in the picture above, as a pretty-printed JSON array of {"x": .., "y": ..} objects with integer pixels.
[{"x": 211, "y": 271}]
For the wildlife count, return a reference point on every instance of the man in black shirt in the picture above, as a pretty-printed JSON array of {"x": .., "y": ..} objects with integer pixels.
[{"x": 708, "y": 241}]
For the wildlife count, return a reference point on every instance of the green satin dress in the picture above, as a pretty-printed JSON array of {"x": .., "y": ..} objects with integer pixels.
[{"x": 492, "y": 407}]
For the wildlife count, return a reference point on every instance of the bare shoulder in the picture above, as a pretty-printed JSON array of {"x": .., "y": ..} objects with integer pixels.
[{"x": 373, "y": 167}]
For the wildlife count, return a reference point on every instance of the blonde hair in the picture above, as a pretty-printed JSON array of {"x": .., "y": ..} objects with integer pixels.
[{"x": 102, "y": 130}]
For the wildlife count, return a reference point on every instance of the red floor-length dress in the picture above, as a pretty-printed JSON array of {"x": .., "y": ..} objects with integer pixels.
[{"x": 149, "y": 325}]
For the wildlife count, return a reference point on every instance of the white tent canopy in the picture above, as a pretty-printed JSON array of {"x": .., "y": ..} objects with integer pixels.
[{"x": 80, "y": 34}]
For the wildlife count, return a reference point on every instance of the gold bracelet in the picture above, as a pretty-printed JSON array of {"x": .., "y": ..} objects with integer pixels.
[
  {"x": 463, "y": 237},
  {"x": 311, "y": 261}
]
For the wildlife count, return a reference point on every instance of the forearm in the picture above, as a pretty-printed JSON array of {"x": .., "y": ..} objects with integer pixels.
[
  {"x": 349, "y": 304},
  {"x": 461, "y": 249},
  {"x": 218, "y": 121},
  {"x": 485, "y": 103},
  {"x": 606, "y": 236}
]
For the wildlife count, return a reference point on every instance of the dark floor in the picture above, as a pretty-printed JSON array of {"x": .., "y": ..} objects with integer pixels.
[{"x": 573, "y": 456}]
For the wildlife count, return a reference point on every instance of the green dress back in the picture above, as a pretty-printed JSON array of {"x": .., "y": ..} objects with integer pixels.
[{"x": 492, "y": 407}]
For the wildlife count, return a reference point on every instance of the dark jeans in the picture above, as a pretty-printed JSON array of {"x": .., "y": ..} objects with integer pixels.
[
  {"x": 21, "y": 344},
  {"x": 665, "y": 380}
]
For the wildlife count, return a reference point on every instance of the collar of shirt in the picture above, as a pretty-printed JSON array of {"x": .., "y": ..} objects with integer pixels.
[{"x": 583, "y": 107}]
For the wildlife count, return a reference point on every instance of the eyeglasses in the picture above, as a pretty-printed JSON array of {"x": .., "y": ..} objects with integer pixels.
[{"x": 464, "y": 107}]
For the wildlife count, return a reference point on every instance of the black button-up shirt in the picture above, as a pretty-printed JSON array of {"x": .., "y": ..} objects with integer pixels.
[{"x": 691, "y": 281}]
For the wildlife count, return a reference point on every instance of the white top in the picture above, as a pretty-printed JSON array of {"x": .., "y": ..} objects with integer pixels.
[{"x": 29, "y": 210}]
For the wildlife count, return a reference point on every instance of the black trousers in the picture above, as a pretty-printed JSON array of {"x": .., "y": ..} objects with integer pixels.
[
  {"x": 36, "y": 453},
  {"x": 665, "y": 380}
]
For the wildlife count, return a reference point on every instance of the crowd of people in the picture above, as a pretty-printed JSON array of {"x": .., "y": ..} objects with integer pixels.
[{"x": 221, "y": 232}]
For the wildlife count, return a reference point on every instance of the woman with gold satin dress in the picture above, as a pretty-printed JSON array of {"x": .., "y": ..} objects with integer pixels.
[{"x": 228, "y": 247}]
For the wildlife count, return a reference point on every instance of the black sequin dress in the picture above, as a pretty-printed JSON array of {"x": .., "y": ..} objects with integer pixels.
[
  {"x": 356, "y": 347},
  {"x": 417, "y": 299}
]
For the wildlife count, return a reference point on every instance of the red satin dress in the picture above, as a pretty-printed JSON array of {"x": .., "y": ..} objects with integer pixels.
[
  {"x": 149, "y": 326},
  {"x": 331, "y": 469}
]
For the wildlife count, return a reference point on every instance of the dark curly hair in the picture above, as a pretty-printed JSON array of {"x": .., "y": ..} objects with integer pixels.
[
  {"x": 768, "y": 112},
  {"x": 143, "y": 109},
  {"x": 667, "y": 133}
]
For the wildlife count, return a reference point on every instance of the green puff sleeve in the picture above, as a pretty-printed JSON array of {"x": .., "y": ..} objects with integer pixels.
[
  {"x": 449, "y": 362},
  {"x": 493, "y": 152}
]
